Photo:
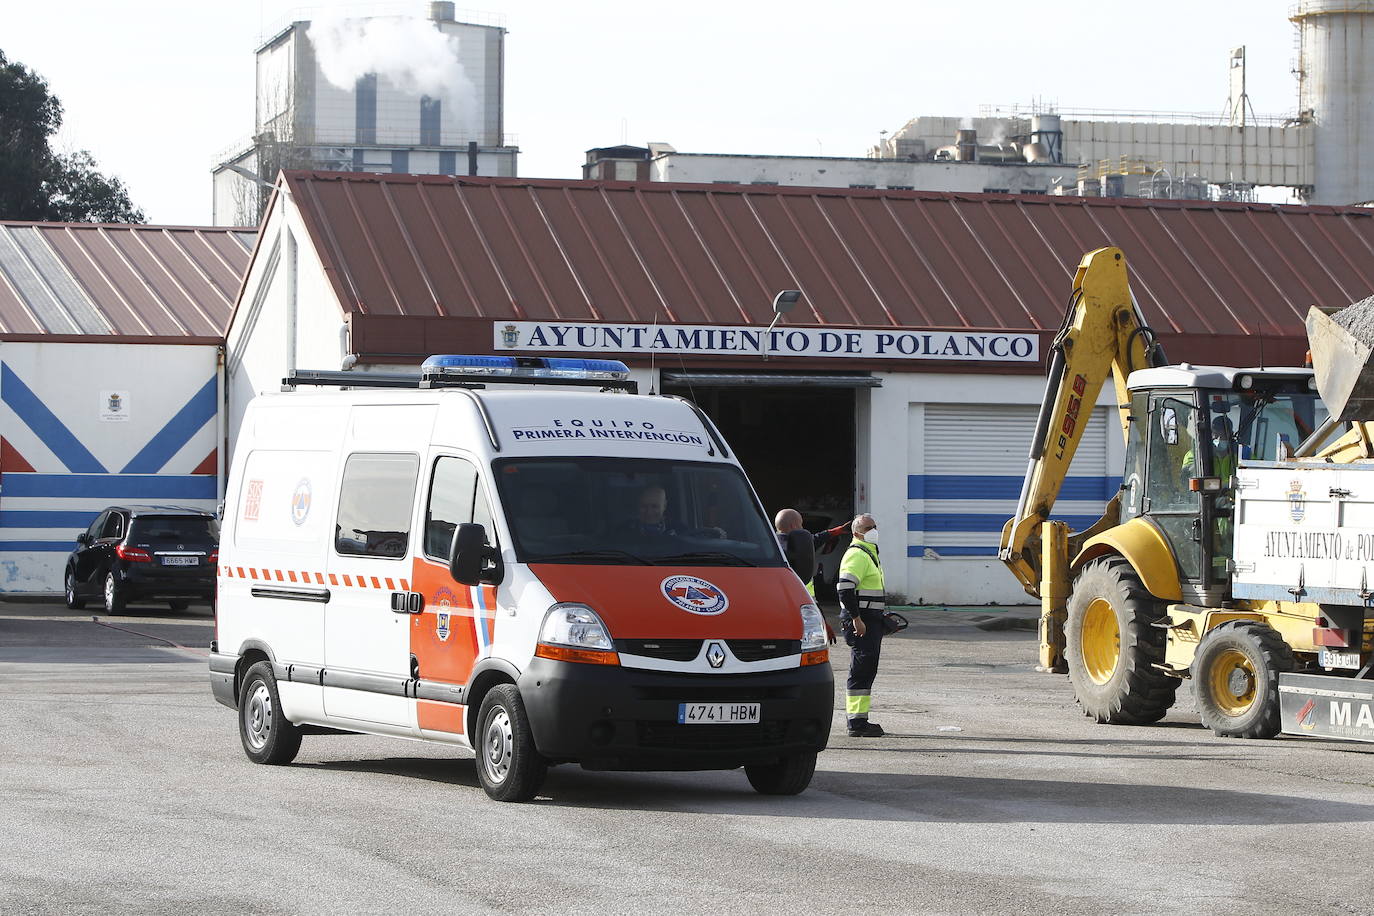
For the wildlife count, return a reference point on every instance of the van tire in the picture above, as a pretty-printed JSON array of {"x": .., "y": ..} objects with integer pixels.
[
  {"x": 790, "y": 776},
  {"x": 266, "y": 734},
  {"x": 114, "y": 595},
  {"x": 74, "y": 600},
  {"x": 509, "y": 767}
]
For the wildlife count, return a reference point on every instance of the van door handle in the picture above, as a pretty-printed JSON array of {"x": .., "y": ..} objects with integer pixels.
[{"x": 407, "y": 602}]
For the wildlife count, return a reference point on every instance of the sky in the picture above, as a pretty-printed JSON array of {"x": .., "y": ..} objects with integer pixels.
[{"x": 157, "y": 89}]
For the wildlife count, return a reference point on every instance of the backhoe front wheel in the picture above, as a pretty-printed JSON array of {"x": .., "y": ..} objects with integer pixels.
[
  {"x": 1112, "y": 645},
  {"x": 1236, "y": 679}
]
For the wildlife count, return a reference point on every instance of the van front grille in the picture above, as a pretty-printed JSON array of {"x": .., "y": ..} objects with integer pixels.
[
  {"x": 753, "y": 650},
  {"x": 675, "y": 650}
]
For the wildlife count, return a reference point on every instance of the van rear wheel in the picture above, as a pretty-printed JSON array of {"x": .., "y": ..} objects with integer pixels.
[
  {"x": 508, "y": 765},
  {"x": 791, "y": 776},
  {"x": 266, "y": 734}
]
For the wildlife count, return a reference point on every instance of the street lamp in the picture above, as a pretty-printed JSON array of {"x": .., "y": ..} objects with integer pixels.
[{"x": 783, "y": 302}]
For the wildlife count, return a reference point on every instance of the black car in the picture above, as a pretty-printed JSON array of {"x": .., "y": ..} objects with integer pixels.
[{"x": 133, "y": 553}]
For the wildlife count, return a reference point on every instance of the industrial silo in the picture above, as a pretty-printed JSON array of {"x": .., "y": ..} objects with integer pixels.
[{"x": 1336, "y": 91}]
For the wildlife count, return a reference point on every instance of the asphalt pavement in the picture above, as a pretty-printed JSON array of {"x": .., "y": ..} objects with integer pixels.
[{"x": 123, "y": 788}]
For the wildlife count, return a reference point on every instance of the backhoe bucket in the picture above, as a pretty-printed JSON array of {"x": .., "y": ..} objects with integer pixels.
[{"x": 1341, "y": 363}]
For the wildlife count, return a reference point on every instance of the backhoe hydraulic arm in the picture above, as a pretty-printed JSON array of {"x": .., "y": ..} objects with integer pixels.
[{"x": 1103, "y": 333}]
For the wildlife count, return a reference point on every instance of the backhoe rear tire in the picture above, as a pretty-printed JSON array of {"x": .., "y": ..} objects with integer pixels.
[
  {"x": 1112, "y": 645},
  {"x": 1236, "y": 679}
]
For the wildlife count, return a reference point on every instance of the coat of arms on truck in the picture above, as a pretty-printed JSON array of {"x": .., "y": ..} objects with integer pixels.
[
  {"x": 1297, "y": 505},
  {"x": 510, "y": 337}
]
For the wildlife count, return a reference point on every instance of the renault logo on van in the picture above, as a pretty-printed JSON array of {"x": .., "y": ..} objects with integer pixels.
[
  {"x": 695, "y": 595},
  {"x": 715, "y": 655}
]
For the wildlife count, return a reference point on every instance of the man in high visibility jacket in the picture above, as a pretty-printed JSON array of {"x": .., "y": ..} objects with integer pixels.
[{"x": 862, "y": 602}]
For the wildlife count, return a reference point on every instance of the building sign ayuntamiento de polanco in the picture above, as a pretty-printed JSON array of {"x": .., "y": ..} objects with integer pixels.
[{"x": 744, "y": 340}]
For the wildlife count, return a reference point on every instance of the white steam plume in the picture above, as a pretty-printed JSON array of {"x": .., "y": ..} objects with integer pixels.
[{"x": 410, "y": 53}]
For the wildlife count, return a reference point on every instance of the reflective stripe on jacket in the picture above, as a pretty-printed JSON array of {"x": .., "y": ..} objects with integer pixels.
[{"x": 860, "y": 570}]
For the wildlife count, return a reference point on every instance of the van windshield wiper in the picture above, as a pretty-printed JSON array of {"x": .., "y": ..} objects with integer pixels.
[
  {"x": 709, "y": 557},
  {"x": 601, "y": 554}
]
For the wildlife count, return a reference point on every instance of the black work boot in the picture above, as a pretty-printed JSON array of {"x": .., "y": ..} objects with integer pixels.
[{"x": 862, "y": 728}]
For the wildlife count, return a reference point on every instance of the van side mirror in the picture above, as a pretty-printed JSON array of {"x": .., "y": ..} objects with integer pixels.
[{"x": 471, "y": 561}]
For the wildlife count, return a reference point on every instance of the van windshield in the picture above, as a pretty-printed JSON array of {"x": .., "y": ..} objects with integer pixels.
[{"x": 633, "y": 511}]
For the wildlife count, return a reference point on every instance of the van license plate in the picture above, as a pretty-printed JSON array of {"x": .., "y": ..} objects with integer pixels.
[
  {"x": 1334, "y": 658},
  {"x": 717, "y": 713},
  {"x": 181, "y": 561}
]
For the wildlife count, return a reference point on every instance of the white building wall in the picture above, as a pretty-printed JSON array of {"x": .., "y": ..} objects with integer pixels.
[
  {"x": 88, "y": 452},
  {"x": 822, "y": 172},
  {"x": 892, "y": 467},
  {"x": 288, "y": 317}
]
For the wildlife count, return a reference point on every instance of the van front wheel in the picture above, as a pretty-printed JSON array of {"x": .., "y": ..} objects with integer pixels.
[
  {"x": 508, "y": 765},
  {"x": 791, "y": 776}
]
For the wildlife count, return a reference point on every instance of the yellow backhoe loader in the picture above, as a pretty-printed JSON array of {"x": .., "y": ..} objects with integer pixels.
[{"x": 1237, "y": 551}]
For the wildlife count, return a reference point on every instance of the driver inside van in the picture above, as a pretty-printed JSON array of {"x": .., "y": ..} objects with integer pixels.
[{"x": 651, "y": 517}]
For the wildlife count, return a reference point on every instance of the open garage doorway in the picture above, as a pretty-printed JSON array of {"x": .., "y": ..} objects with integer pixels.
[{"x": 795, "y": 437}]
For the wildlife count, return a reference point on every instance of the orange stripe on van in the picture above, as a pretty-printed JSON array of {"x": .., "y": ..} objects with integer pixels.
[
  {"x": 375, "y": 583},
  {"x": 348, "y": 580},
  {"x": 390, "y": 584},
  {"x": 252, "y": 573},
  {"x": 319, "y": 579},
  {"x": 290, "y": 574},
  {"x": 333, "y": 579},
  {"x": 240, "y": 570}
]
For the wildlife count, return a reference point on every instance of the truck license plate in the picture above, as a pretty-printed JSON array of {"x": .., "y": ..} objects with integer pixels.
[
  {"x": 717, "y": 713},
  {"x": 1335, "y": 658},
  {"x": 181, "y": 561}
]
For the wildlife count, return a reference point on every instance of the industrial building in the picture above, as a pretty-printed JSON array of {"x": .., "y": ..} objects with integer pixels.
[
  {"x": 383, "y": 93},
  {"x": 111, "y": 379},
  {"x": 1315, "y": 151},
  {"x": 906, "y": 383}
]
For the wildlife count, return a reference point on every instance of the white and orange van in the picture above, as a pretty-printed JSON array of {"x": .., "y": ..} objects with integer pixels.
[{"x": 557, "y": 570}]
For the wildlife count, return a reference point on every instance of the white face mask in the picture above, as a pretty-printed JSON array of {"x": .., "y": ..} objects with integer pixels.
[{"x": 871, "y": 535}]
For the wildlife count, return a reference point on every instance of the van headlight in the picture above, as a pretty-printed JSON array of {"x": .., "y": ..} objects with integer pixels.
[
  {"x": 574, "y": 633},
  {"x": 813, "y": 628}
]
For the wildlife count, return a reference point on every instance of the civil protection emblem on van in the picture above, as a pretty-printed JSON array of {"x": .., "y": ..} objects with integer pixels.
[
  {"x": 300, "y": 502},
  {"x": 695, "y": 595},
  {"x": 1297, "y": 502},
  {"x": 510, "y": 336}
]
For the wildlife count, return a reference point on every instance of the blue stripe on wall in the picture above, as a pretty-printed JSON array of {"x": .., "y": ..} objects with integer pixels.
[
  {"x": 973, "y": 521},
  {"x": 917, "y": 550},
  {"x": 20, "y": 518},
  {"x": 37, "y": 546},
  {"x": 51, "y": 431},
  {"x": 989, "y": 486},
  {"x": 111, "y": 486},
  {"x": 173, "y": 437}
]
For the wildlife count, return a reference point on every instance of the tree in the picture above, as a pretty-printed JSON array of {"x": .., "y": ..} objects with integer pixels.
[{"x": 37, "y": 183}]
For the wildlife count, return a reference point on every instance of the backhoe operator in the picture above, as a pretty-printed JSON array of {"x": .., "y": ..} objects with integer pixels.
[{"x": 863, "y": 600}]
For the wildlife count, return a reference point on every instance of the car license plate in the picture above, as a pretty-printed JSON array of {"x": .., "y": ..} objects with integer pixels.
[
  {"x": 1335, "y": 658},
  {"x": 717, "y": 713},
  {"x": 181, "y": 561}
]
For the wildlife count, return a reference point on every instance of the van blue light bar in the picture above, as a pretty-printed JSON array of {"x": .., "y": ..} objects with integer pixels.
[{"x": 523, "y": 367}]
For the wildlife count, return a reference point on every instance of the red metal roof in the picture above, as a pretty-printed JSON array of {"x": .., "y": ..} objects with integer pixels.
[
  {"x": 67, "y": 280},
  {"x": 430, "y": 246}
]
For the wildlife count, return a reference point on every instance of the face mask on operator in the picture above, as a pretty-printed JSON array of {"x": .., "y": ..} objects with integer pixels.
[
  {"x": 1221, "y": 446},
  {"x": 871, "y": 535}
]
